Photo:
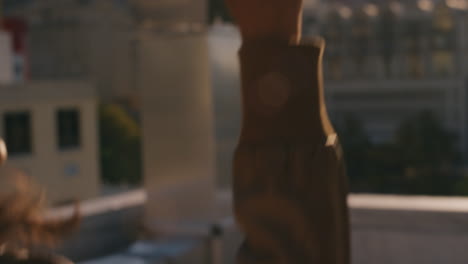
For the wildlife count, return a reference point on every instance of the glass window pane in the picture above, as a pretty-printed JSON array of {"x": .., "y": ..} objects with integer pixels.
[
  {"x": 68, "y": 125},
  {"x": 17, "y": 127}
]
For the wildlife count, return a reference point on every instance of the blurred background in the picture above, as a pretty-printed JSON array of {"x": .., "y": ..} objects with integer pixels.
[{"x": 133, "y": 107}]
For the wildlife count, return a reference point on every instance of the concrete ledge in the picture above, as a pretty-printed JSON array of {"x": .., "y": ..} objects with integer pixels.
[
  {"x": 103, "y": 205},
  {"x": 110, "y": 224},
  {"x": 386, "y": 229},
  {"x": 389, "y": 229},
  {"x": 409, "y": 203}
]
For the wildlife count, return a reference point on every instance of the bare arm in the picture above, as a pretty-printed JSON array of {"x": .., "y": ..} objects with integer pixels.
[{"x": 276, "y": 20}]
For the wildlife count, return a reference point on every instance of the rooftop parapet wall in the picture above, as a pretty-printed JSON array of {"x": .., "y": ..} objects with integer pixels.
[{"x": 386, "y": 229}]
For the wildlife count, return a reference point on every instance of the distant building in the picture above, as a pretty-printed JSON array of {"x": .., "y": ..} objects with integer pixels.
[
  {"x": 50, "y": 129},
  {"x": 97, "y": 40},
  {"x": 133, "y": 49},
  {"x": 82, "y": 40},
  {"x": 388, "y": 60},
  {"x": 178, "y": 138},
  {"x": 19, "y": 61},
  {"x": 6, "y": 55}
]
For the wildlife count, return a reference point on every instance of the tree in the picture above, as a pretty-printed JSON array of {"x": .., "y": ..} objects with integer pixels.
[
  {"x": 424, "y": 142},
  {"x": 356, "y": 147},
  {"x": 120, "y": 146},
  {"x": 429, "y": 156},
  {"x": 423, "y": 159}
]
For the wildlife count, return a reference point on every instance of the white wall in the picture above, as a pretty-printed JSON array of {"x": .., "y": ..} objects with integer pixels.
[
  {"x": 47, "y": 164},
  {"x": 6, "y": 58},
  {"x": 177, "y": 125}
]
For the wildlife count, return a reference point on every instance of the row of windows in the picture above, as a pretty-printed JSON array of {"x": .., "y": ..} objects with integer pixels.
[
  {"x": 439, "y": 64},
  {"x": 18, "y": 130}
]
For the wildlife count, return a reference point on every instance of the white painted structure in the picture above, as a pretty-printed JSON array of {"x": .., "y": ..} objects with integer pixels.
[
  {"x": 177, "y": 124},
  {"x": 66, "y": 174}
]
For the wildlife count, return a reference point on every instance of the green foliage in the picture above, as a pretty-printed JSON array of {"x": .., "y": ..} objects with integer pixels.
[
  {"x": 356, "y": 145},
  {"x": 120, "y": 146},
  {"x": 461, "y": 187},
  {"x": 425, "y": 142},
  {"x": 422, "y": 159}
]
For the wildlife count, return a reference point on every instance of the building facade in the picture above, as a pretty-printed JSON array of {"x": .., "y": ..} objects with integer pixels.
[
  {"x": 70, "y": 40},
  {"x": 6, "y": 69},
  {"x": 388, "y": 60},
  {"x": 50, "y": 129}
]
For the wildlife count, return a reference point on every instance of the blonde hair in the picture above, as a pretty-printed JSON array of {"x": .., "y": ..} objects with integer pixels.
[{"x": 22, "y": 219}]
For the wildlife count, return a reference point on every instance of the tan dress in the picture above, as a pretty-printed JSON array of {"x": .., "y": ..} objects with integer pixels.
[{"x": 289, "y": 183}]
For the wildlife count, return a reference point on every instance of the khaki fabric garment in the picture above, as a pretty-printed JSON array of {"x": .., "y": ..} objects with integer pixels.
[{"x": 289, "y": 183}]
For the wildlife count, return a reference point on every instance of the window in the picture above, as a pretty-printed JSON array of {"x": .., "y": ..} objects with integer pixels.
[
  {"x": 333, "y": 33},
  {"x": 386, "y": 39},
  {"x": 17, "y": 127},
  {"x": 414, "y": 35},
  {"x": 443, "y": 41},
  {"x": 68, "y": 125},
  {"x": 361, "y": 33}
]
